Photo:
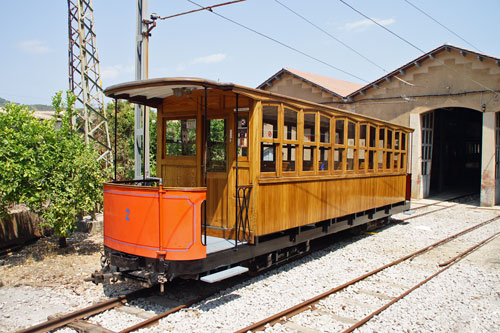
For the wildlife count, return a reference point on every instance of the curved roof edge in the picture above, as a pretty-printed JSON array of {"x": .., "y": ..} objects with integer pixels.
[{"x": 151, "y": 93}]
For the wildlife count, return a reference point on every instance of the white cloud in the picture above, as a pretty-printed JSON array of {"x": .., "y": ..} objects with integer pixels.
[
  {"x": 112, "y": 72},
  {"x": 34, "y": 46},
  {"x": 210, "y": 59},
  {"x": 364, "y": 24}
]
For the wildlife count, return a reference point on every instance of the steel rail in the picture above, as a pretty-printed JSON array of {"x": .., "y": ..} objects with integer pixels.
[
  {"x": 450, "y": 199},
  {"x": 290, "y": 312},
  {"x": 446, "y": 265},
  {"x": 86, "y": 312},
  {"x": 152, "y": 320}
]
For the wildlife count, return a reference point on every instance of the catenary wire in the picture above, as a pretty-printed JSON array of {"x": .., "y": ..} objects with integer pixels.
[
  {"x": 442, "y": 25},
  {"x": 414, "y": 46},
  {"x": 331, "y": 36},
  {"x": 282, "y": 44}
]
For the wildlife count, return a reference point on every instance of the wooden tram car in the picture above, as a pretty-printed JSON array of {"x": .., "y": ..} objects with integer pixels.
[{"x": 247, "y": 178}]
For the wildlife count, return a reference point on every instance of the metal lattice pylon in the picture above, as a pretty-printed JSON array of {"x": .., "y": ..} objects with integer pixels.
[{"x": 85, "y": 77}]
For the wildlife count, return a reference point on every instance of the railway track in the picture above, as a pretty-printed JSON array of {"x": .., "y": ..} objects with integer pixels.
[
  {"x": 455, "y": 201},
  {"x": 340, "y": 303}
]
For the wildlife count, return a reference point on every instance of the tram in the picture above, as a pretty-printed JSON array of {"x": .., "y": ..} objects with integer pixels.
[{"x": 246, "y": 178}]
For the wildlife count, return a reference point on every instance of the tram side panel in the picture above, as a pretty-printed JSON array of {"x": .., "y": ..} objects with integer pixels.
[{"x": 283, "y": 206}]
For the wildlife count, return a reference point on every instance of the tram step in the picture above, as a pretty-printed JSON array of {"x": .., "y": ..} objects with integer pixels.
[{"x": 225, "y": 274}]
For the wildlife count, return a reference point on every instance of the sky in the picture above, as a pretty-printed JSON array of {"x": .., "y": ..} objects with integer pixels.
[{"x": 34, "y": 38}]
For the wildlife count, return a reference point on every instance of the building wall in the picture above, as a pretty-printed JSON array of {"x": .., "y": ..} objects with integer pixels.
[{"x": 291, "y": 86}]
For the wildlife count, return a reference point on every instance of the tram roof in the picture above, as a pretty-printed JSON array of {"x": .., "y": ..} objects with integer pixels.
[{"x": 152, "y": 92}]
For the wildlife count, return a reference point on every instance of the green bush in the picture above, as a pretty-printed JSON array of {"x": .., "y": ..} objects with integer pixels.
[{"x": 47, "y": 166}]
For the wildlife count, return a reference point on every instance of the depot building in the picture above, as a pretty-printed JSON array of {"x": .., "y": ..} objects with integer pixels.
[{"x": 449, "y": 96}]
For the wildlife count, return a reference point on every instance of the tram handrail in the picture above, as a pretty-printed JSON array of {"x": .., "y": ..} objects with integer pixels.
[{"x": 142, "y": 180}]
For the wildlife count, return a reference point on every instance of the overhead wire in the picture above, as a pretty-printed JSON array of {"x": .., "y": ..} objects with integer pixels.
[
  {"x": 414, "y": 46},
  {"x": 442, "y": 25},
  {"x": 331, "y": 36},
  {"x": 282, "y": 43}
]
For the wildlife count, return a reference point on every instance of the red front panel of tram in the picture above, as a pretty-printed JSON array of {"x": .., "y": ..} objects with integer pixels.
[{"x": 138, "y": 222}]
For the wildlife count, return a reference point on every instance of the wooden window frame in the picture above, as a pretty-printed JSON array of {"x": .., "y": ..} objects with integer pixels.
[
  {"x": 274, "y": 141},
  {"x": 313, "y": 144},
  {"x": 342, "y": 145},
  {"x": 325, "y": 144},
  {"x": 285, "y": 141},
  {"x": 354, "y": 147}
]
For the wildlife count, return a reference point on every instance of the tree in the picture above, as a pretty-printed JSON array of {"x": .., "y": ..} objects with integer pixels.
[{"x": 47, "y": 166}]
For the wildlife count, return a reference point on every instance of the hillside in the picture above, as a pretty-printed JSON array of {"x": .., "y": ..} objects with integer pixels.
[{"x": 36, "y": 107}]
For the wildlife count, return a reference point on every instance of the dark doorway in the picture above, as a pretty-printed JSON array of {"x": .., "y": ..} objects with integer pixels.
[{"x": 456, "y": 157}]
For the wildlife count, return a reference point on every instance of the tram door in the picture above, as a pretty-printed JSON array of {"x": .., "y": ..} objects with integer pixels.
[
  {"x": 217, "y": 172},
  {"x": 177, "y": 164},
  {"x": 427, "y": 141}
]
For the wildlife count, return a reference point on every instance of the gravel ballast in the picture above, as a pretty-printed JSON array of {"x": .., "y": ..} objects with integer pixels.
[{"x": 465, "y": 298}]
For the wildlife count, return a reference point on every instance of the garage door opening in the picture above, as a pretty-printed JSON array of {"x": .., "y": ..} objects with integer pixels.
[{"x": 456, "y": 151}]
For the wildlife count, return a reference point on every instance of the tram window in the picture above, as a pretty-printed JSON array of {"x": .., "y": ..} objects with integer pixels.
[
  {"x": 362, "y": 144},
  {"x": 402, "y": 163},
  {"x": 217, "y": 145},
  {"x": 270, "y": 122},
  {"x": 324, "y": 152},
  {"x": 396, "y": 161},
  {"x": 180, "y": 137},
  {"x": 373, "y": 135},
  {"x": 324, "y": 129},
  {"x": 350, "y": 158},
  {"x": 388, "y": 160},
  {"x": 268, "y": 160},
  {"x": 396, "y": 140},
  {"x": 351, "y": 134},
  {"x": 289, "y": 158},
  {"x": 242, "y": 136},
  {"x": 389, "y": 139},
  {"x": 309, "y": 127},
  {"x": 339, "y": 132},
  {"x": 351, "y": 141},
  {"x": 338, "y": 158},
  {"x": 371, "y": 158},
  {"x": 290, "y": 123},
  {"x": 308, "y": 158},
  {"x": 403, "y": 141},
  {"x": 381, "y": 138}
]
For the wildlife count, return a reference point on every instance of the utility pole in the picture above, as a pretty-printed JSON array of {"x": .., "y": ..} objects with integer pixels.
[
  {"x": 141, "y": 73},
  {"x": 85, "y": 77}
]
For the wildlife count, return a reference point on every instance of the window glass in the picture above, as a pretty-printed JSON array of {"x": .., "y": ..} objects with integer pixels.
[
  {"x": 339, "y": 132},
  {"x": 324, "y": 153},
  {"x": 309, "y": 127},
  {"x": 217, "y": 145},
  {"x": 324, "y": 129},
  {"x": 362, "y": 143},
  {"x": 396, "y": 161},
  {"x": 289, "y": 157},
  {"x": 338, "y": 158},
  {"x": 389, "y": 139},
  {"x": 180, "y": 137},
  {"x": 308, "y": 158},
  {"x": 270, "y": 122},
  {"x": 373, "y": 135},
  {"x": 350, "y": 158},
  {"x": 402, "y": 163},
  {"x": 403, "y": 141},
  {"x": 242, "y": 136},
  {"x": 351, "y": 134},
  {"x": 268, "y": 157},
  {"x": 396, "y": 141},
  {"x": 371, "y": 158},
  {"x": 381, "y": 138},
  {"x": 388, "y": 160},
  {"x": 290, "y": 124}
]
